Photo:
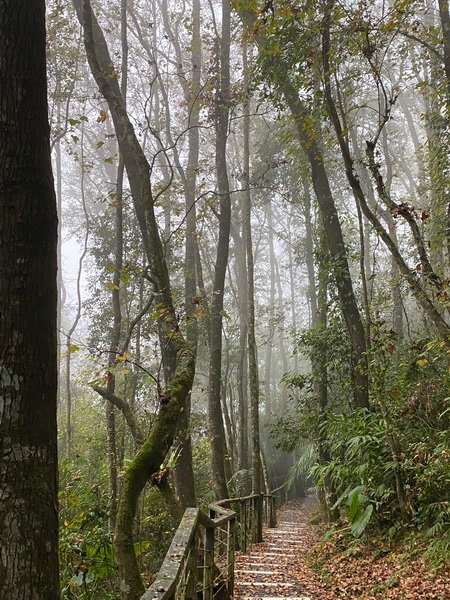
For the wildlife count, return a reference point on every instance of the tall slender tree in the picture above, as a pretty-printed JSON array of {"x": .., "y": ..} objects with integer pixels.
[
  {"x": 215, "y": 420},
  {"x": 252, "y": 354}
]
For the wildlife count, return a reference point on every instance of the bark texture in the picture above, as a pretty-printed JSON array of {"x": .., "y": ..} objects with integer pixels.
[{"x": 28, "y": 264}]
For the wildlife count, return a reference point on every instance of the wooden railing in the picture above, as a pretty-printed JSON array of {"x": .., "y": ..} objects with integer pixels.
[{"x": 200, "y": 561}]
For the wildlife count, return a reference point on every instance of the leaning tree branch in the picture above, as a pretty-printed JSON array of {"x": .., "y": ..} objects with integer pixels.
[{"x": 128, "y": 413}]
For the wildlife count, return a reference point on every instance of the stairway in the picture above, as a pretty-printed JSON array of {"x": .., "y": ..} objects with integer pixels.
[{"x": 273, "y": 569}]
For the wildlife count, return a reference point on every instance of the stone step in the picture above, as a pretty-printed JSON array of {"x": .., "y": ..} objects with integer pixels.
[
  {"x": 256, "y": 572},
  {"x": 266, "y": 584},
  {"x": 253, "y": 564},
  {"x": 283, "y": 531},
  {"x": 280, "y": 553}
]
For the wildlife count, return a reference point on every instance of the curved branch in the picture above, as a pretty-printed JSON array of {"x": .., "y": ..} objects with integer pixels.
[{"x": 126, "y": 410}]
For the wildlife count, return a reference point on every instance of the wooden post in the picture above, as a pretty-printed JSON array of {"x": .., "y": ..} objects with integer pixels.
[
  {"x": 251, "y": 520},
  {"x": 191, "y": 574},
  {"x": 208, "y": 564},
  {"x": 231, "y": 543},
  {"x": 272, "y": 511},
  {"x": 259, "y": 518},
  {"x": 244, "y": 526}
]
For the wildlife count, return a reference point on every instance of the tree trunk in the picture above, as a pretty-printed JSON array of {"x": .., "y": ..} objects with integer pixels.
[
  {"x": 115, "y": 293},
  {"x": 309, "y": 139},
  {"x": 282, "y": 405},
  {"x": 76, "y": 320},
  {"x": 397, "y": 308},
  {"x": 271, "y": 317},
  {"x": 28, "y": 345},
  {"x": 319, "y": 363},
  {"x": 292, "y": 290},
  {"x": 215, "y": 421},
  {"x": 184, "y": 474},
  {"x": 445, "y": 23},
  {"x": 114, "y": 347},
  {"x": 252, "y": 352},
  {"x": 242, "y": 366},
  {"x": 178, "y": 360}
]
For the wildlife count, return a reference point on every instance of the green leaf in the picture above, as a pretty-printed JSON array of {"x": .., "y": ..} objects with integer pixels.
[
  {"x": 354, "y": 502},
  {"x": 73, "y": 348},
  {"x": 362, "y": 521}
]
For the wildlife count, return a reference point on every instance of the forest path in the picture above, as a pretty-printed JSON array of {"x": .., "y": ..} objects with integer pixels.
[{"x": 276, "y": 569}]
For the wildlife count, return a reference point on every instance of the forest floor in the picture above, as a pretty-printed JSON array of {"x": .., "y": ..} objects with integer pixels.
[{"x": 294, "y": 563}]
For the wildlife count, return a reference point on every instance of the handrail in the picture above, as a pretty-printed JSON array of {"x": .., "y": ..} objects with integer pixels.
[
  {"x": 200, "y": 559},
  {"x": 177, "y": 553}
]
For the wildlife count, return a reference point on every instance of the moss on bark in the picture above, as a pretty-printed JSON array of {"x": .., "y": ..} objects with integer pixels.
[{"x": 146, "y": 462}]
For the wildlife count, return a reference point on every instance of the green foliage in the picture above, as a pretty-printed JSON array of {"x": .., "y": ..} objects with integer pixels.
[
  {"x": 389, "y": 467},
  {"x": 201, "y": 453},
  {"x": 86, "y": 552},
  {"x": 359, "y": 512},
  {"x": 88, "y": 568}
]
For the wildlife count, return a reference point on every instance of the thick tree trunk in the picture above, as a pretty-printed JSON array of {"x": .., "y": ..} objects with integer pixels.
[
  {"x": 28, "y": 296},
  {"x": 143, "y": 467}
]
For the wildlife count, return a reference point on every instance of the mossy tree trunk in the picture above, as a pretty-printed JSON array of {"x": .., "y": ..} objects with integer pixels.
[{"x": 177, "y": 357}]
